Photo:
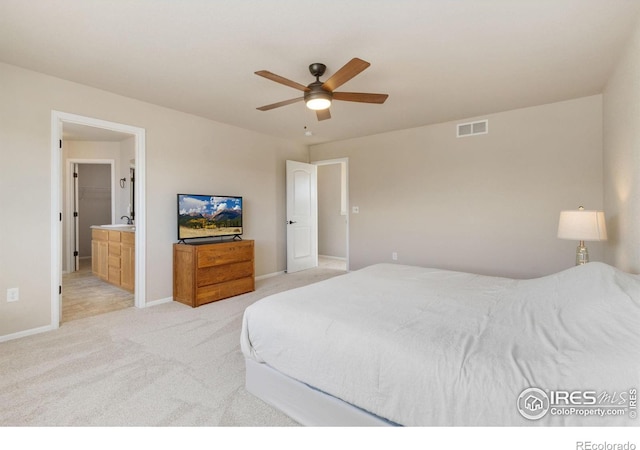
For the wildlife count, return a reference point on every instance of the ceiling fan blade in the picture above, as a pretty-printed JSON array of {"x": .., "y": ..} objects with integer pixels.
[
  {"x": 279, "y": 104},
  {"x": 278, "y": 79},
  {"x": 346, "y": 72},
  {"x": 360, "y": 97},
  {"x": 323, "y": 114}
]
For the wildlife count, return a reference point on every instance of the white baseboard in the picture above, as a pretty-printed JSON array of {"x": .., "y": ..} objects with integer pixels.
[
  {"x": 26, "y": 333},
  {"x": 269, "y": 275},
  {"x": 158, "y": 302},
  {"x": 338, "y": 258}
]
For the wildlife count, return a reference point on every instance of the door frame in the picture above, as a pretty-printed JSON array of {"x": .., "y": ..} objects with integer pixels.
[
  {"x": 69, "y": 214},
  {"x": 344, "y": 162},
  {"x": 58, "y": 119}
]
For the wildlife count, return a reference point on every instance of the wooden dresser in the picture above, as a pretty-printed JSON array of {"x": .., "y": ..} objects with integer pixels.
[{"x": 205, "y": 273}]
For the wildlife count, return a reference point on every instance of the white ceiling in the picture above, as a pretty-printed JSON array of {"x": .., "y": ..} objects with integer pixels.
[{"x": 438, "y": 60}]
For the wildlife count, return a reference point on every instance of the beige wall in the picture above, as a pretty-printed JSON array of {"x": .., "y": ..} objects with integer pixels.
[
  {"x": 488, "y": 204},
  {"x": 332, "y": 227},
  {"x": 622, "y": 159},
  {"x": 184, "y": 153}
]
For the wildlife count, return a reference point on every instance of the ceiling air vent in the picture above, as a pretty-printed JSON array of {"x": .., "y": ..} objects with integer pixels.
[{"x": 473, "y": 128}]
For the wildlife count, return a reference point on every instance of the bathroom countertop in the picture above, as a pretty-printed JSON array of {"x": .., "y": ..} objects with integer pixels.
[{"x": 116, "y": 227}]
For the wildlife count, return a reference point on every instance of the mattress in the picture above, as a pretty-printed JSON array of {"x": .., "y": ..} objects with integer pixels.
[{"x": 428, "y": 347}]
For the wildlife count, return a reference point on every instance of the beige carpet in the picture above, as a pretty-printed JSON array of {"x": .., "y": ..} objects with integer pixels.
[{"x": 167, "y": 365}]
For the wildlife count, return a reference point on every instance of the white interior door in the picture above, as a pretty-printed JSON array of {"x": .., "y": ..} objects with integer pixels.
[{"x": 302, "y": 216}]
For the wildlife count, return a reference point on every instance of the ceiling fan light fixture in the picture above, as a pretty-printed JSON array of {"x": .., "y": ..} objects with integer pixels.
[
  {"x": 319, "y": 95},
  {"x": 318, "y": 104},
  {"x": 318, "y": 100}
]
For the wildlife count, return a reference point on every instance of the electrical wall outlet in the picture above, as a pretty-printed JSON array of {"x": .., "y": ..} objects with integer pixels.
[
  {"x": 13, "y": 294},
  {"x": 394, "y": 256}
]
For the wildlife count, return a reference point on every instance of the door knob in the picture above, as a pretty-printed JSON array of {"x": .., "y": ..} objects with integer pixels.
[{"x": 291, "y": 221}]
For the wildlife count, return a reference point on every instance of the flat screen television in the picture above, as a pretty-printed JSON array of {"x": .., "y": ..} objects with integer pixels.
[{"x": 209, "y": 216}]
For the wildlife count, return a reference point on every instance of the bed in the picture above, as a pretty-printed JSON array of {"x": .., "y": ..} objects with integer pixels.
[{"x": 392, "y": 344}]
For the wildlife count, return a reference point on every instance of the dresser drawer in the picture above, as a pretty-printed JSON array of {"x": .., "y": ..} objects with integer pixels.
[
  {"x": 225, "y": 254},
  {"x": 219, "y": 291},
  {"x": 214, "y": 275}
]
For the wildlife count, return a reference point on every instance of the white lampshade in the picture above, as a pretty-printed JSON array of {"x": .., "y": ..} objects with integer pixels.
[{"x": 582, "y": 225}]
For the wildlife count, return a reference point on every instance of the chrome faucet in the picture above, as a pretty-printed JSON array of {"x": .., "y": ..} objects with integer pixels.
[{"x": 129, "y": 221}]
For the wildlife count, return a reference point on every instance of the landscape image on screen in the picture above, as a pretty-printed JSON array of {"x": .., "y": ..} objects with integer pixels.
[{"x": 201, "y": 216}]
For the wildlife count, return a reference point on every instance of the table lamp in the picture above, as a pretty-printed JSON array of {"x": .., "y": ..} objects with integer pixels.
[{"x": 582, "y": 225}]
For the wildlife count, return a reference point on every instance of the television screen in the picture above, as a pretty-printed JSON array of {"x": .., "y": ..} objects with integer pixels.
[{"x": 207, "y": 216}]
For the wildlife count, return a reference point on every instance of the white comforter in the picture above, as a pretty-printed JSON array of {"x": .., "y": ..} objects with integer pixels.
[{"x": 423, "y": 346}]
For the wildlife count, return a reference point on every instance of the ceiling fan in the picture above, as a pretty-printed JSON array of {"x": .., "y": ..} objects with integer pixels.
[{"x": 318, "y": 95}]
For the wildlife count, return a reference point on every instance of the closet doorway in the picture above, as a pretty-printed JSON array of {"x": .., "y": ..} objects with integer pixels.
[
  {"x": 333, "y": 213},
  {"x": 92, "y": 202}
]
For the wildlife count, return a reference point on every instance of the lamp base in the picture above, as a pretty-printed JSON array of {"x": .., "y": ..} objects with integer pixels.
[{"x": 582, "y": 254}]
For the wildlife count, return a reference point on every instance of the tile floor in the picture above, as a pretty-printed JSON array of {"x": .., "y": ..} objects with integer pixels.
[{"x": 85, "y": 295}]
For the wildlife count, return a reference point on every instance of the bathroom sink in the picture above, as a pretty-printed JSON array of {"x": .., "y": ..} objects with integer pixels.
[{"x": 119, "y": 225}]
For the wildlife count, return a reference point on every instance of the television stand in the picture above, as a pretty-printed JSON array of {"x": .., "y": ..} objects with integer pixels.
[{"x": 208, "y": 272}]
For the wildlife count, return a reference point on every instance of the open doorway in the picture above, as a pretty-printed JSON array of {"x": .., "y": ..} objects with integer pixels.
[
  {"x": 88, "y": 141},
  {"x": 333, "y": 217},
  {"x": 91, "y": 194}
]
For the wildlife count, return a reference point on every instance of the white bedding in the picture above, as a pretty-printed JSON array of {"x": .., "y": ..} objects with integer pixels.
[{"x": 422, "y": 346}]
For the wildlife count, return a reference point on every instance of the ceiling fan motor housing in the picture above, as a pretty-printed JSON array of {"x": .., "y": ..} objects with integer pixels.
[{"x": 317, "y": 69}]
